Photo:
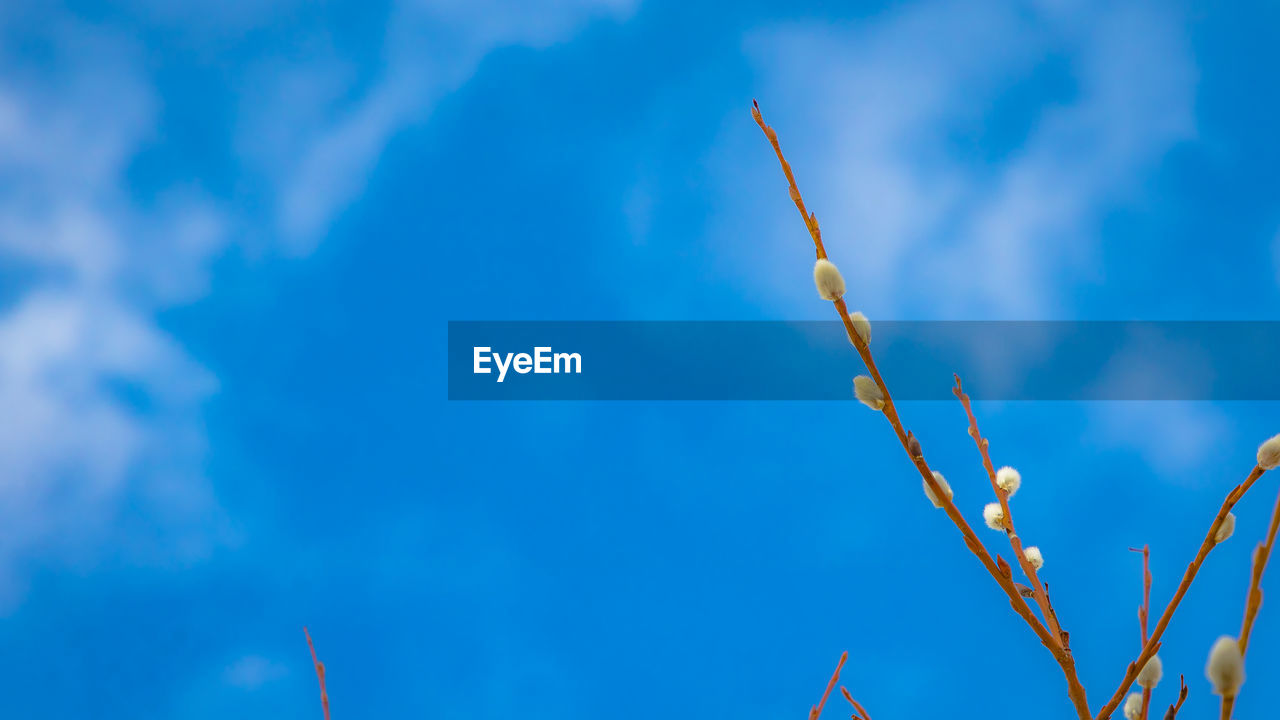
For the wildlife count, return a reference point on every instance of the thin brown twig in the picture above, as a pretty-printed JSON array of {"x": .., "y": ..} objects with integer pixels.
[
  {"x": 324, "y": 695},
  {"x": 999, "y": 571},
  {"x": 1041, "y": 597},
  {"x": 860, "y": 711},
  {"x": 1172, "y": 712},
  {"x": 1144, "y": 611},
  {"x": 1063, "y": 651},
  {"x": 816, "y": 710},
  {"x": 1153, "y": 642},
  {"x": 1261, "y": 554},
  {"x": 1253, "y": 599},
  {"x": 810, "y": 221}
]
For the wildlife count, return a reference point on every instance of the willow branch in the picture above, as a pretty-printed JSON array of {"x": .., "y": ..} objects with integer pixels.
[
  {"x": 810, "y": 221},
  {"x": 1172, "y": 712},
  {"x": 324, "y": 695},
  {"x": 1041, "y": 597},
  {"x": 1144, "y": 611},
  {"x": 816, "y": 710},
  {"x": 1153, "y": 642},
  {"x": 999, "y": 571},
  {"x": 1063, "y": 651},
  {"x": 859, "y": 712},
  {"x": 1253, "y": 599}
]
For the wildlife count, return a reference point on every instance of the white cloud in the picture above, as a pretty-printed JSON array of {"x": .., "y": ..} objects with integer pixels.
[
  {"x": 253, "y": 671},
  {"x": 100, "y": 406},
  {"x": 1175, "y": 439},
  {"x": 936, "y": 228},
  {"x": 431, "y": 48},
  {"x": 101, "y": 445}
]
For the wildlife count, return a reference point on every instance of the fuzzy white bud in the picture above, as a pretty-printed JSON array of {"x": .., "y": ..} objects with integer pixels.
[
  {"x": 1008, "y": 480},
  {"x": 1133, "y": 706},
  {"x": 827, "y": 277},
  {"x": 866, "y": 390},
  {"x": 1225, "y": 668},
  {"x": 993, "y": 516},
  {"x": 1034, "y": 556},
  {"x": 862, "y": 326},
  {"x": 942, "y": 485},
  {"x": 1226, "y": 529},
  {"x": 1269, "y": 453},
  {"x": 1151, "y": 673}
]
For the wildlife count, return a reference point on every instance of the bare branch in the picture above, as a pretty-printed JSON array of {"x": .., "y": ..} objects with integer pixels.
[
  {"x": 1153, "y": 643},
  {"x": 324, "y": 695},
  {"x": 816, "y": 710},
  {"x": 860, "y": 712},
  {"x": 1172, "y": 712},
  {"x": 1144, "y": 611}
]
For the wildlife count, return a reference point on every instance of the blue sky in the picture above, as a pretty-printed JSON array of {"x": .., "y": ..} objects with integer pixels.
[{"x": 233, "y": 234}]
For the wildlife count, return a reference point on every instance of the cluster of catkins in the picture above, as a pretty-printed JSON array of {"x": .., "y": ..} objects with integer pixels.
[
  {"x": 830, "y": 284},
  {"x": 1225, "y": 669}
]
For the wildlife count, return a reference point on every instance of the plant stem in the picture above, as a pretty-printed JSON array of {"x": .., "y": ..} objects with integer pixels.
[
  {"x": 1172, "y": 712},
  {"x": 816, "y": 710},
  {"x": 1063, "y": 651},
  {"x": 324, "y": 695},
  {"x": 861, "y": 712},
  {"x": 1153, "y": 643},
  {"x": 1253, "y": 599},
  {"x": 1260, "y": 556},
  {"x": 1144, "y": 612},
  {"x": 1041, "y": 597},
  {"x": 1002, "y": 575}
]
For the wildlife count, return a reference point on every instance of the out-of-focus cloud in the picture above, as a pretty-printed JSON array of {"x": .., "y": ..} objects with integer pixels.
[
  {"x": 102, "y": 406},
  {"x": 929, "y": 219},
  {"x": 1175, "y": 439},
  {"x": 253, "y": 671},
  {"x": 334, "y": 125}
]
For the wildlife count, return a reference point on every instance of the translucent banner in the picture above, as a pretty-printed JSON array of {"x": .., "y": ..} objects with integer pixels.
[{"x": 815, "y": 361}]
